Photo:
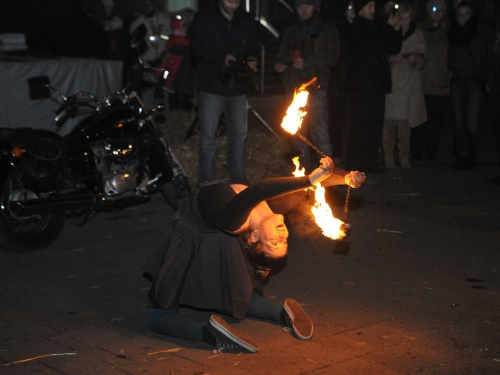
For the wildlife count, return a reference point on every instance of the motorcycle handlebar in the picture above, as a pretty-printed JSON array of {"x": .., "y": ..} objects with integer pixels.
[{"x": 62, "y": 108}]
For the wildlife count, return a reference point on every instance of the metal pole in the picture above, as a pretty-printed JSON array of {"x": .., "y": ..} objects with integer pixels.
[{"x": 262, "y": 67}]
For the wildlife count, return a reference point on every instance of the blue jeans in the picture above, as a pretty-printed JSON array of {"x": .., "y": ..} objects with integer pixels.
[
  {"x": 466, "y": 95},
  {"x": 169, "y": 322},
  {"x": 211, "y": 109}
]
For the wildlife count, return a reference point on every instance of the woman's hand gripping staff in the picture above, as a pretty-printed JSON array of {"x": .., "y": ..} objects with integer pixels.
[{"x": 324, "y": 171}]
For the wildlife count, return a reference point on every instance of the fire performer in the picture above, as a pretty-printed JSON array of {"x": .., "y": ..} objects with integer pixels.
[{"x": 223, "y": 243}]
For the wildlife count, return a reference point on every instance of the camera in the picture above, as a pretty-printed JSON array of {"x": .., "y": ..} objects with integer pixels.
[{"x": 237, "y": 71}]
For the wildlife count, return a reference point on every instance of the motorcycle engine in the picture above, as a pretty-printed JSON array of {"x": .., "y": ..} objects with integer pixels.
[{"x": 118, "y": 160}]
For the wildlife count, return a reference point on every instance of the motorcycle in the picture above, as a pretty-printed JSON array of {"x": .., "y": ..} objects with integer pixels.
[{"x": 114, "y": 158}]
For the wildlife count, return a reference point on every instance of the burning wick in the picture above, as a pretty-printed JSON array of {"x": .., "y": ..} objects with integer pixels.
[
  {"x": 295, "y": 115},
  {"x": 331, "y": 227}
]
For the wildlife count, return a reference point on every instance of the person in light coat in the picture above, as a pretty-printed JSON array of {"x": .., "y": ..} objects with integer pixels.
[{"x": 405, "y": 105}]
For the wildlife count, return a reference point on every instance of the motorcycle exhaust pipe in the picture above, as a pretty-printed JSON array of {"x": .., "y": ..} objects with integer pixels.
[
  {"x": 70, "y": 202},
  {"x": 53, "y": 205}
]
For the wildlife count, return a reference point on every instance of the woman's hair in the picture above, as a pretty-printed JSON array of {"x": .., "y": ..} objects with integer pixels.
[
  {"x": 265, "y": 265},
  {"x": 407, "y": 8}
]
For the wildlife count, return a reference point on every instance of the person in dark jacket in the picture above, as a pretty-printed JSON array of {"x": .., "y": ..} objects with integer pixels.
[
  {"x": 225, "y": 238},
  {"x": 470, "y": 43},
  {"x": 436, "y": 84},
  {"x": 371, "y": 41},
  {"x": 339, "y": 87},
  {"x": 223, "y": 46},
  {"x": 309, "y": 48}
]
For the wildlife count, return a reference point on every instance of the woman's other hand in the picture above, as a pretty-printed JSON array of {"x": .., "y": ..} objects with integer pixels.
[{"x": 354, "y": 179}]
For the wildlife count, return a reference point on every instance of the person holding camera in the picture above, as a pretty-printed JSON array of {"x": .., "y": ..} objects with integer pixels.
[
  {"x": 223, "y": 46},
  {"x": 310, "y": 48}
]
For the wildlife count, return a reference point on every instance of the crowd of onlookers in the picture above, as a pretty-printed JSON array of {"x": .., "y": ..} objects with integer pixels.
[
  {"x": 399, "y": 82},
  {"x": 394, "y": 81}
]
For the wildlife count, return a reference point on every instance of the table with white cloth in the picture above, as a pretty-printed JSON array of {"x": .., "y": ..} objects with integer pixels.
[{"x": 68, "y": 76}]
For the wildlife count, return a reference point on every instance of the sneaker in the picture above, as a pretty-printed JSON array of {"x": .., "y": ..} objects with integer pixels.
[
  {"x": 229, "y": 338},
  {"x": 298, "y": 320}
]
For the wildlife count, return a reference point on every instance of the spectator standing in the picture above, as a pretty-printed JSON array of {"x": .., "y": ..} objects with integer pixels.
[
  {"x": 470, "y": 42},
  {"x": 176, "y": 50},
  {"x": 113, "y": 24},
  {"x": 309, "y": 48},
  {"x": 371, "y": 41},
  {"x": 436, "y": 84},
  {"x": 152, "y": 46},
  {"x": 493, "y": 95},
  {"x": 404, "y": 106},
  {"x": 339, "y": 87},
  {"x": 222, "y": 40}
]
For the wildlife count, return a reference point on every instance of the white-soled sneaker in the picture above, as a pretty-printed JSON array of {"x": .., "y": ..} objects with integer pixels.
[
  {"x": 298, "y": 320},
  {"x": 229, "y": 338}
]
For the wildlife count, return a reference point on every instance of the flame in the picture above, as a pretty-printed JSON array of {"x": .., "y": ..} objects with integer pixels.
[
  {"x": 295, "y": 113},
  {"x": 323, "y": 216},
  {"x": 331, "y": 227},
  {"x": 299, "y": 172}
]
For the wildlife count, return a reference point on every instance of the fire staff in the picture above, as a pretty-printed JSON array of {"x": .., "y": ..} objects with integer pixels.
[{"x": 224, "y": 241}]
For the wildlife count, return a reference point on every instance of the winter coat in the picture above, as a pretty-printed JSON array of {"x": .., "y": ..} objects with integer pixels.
[
  {"x": 493, "y": 72},
  {"x": 436, "y": 75},
  {"x": 318, "y": 43},
  {"x": 406, "y": 101},
  {"x": 212, "y": 38},
  {"x": 339, "y": 80},
  {"x": 371, "y": 43},
  {"x": 153, "y": 45},
  {"x": 469, "y": 49}
]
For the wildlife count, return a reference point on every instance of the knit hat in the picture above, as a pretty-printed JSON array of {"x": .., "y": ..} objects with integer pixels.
[
  {"x": 298, "y": 3},
  {"x": 436, "y": 3},
  {"x": 359, "y": 4}
]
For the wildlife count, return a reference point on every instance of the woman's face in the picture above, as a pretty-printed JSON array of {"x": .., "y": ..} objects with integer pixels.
[
  {"x": 464, "y": 12},
  {"x": 273, "y": 234},
  {"x": 349, "y": 12},
  {"x": 405, "y": 19},
  {"x": 436, "y": 14}
]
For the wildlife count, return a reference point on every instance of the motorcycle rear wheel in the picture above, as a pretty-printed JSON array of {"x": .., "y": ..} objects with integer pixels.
[{"x": 24, "y": 233}]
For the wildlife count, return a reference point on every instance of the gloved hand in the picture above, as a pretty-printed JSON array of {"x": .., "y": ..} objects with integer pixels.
[{"x": 323, "y": 172}]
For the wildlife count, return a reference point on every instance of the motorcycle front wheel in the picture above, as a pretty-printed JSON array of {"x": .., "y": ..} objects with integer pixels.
[{"x": 24, "y": 233}]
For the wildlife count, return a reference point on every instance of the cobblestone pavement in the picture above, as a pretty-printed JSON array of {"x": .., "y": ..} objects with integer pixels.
[{"x": 412, "y": 291}]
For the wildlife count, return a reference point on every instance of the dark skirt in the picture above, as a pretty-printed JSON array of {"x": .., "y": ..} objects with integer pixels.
[{"x": 200, "y": 266}]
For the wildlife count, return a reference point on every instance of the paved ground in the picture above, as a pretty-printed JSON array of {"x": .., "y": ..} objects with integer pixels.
[{"x": 416, "y": 291}]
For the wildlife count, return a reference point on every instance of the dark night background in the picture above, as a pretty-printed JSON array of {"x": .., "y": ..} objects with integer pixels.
[{"x": 60, "y": 28}]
